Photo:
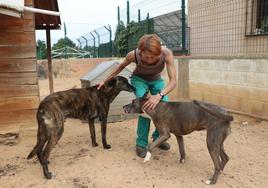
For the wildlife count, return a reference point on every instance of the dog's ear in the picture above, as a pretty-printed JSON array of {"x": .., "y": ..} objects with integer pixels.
[{"x": 112, "y": 82}]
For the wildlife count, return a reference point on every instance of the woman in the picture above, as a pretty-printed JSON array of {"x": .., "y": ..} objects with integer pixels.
[{"x": 150, "y": 59}]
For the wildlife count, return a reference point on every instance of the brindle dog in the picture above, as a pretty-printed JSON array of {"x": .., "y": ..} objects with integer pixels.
[
  {"x": 182, "y": 118},
  {"x": 85, "y": 104}
]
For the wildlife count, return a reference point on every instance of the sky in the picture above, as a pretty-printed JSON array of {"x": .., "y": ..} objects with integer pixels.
[{"x": 83, "y": 16}]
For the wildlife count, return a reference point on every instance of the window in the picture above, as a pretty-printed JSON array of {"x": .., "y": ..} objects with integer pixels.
[{"x": 257, "y": 17}]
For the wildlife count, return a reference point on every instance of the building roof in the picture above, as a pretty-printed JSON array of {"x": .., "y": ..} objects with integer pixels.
[
  {"x": 99, "y": 69},
  {"x": 43, "y": 21}
]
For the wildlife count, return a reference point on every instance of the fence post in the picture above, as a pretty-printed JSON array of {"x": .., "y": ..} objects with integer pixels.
[
  {"x": 65, "y": 41},
  {"x": 139, "y": 15},
  {"x": 111, "y": 44},
  {"x": 128, "y": 12},
  {"x": 79, "y": 43},
  {"x": 86, "y": 43},
  {"x": 94, "y": 44},
  {"x": 98, "y": 42},
  {"x": 183, "y": 27},
  {"x": 148, "y": 24},
  {"x": 118, "y": 14}
]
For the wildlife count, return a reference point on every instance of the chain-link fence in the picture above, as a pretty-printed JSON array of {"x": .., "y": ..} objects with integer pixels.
[
  {"x": 160, "y": 17},
  {"x": 98, "y": 42},
  {"x": 144, "y": 27},
  {"x": 228, "y": 28}
]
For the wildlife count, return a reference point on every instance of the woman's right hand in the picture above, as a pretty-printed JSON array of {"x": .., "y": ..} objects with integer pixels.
[{"x": 100, "y": 85}]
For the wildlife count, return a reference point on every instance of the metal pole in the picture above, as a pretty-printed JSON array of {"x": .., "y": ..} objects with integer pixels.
[
  {"x": 41, "y": 11},
  {"x": 118, "y": 14},
  {"x": 86, "y": 43},
  {"x": 79, "y": 43},
  {"x": 148, "y": 24},
  {"x": 139, "y": 15},
  {"x": 98, "y": 42},
  {"x": 49, "y": 63},
  {"x": 65, "y": 48},
  {"x": 128, "y": 19},
  {"x": 111, "y": 45},
  {"x": 183, "y": 27},
  {"x": 94, "y": 55}
]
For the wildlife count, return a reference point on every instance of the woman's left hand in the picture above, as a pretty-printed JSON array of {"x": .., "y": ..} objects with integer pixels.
[{"x": 152, "y": 102}]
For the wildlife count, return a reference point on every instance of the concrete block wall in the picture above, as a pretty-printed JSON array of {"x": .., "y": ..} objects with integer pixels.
[{"x": 237, "y": 84}]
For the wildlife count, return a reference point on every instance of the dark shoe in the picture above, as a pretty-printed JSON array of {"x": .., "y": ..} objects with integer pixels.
[
  {"x": 164, "y": 146},
  {"x": 141, "y": 152}
]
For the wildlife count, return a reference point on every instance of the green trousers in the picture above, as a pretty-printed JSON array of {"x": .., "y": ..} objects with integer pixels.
[{"x": 142, "y": 86}]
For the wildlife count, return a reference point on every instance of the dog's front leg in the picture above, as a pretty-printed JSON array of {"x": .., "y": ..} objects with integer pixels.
[
  {"x": 92, "y": 132},
  {"x": 103, "y": 133},
  {"x": 181, "y": 148},
  {"x": 161, "y": 139}
]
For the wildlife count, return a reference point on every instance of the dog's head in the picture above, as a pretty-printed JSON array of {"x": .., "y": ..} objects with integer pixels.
[
  {"x": 120, "y": 83},
  {"x": 136, "y": 105}
]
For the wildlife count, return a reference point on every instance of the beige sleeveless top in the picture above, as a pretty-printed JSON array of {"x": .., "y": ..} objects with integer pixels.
[{"x": 148, "y": 72}]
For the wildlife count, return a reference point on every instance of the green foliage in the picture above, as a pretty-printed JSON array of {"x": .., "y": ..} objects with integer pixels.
[
  {"x": 41, "y": 50},
  {"x": 121, "y": 37},
  {"x": 62, "y": 42}
]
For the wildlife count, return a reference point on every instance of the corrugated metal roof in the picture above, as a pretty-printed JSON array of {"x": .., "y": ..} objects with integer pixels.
[{"x": 99, "y": 69}]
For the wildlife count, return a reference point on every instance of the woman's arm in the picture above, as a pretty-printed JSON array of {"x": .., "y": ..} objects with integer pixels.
[
  {"x": 128, "y": 59},
  {"x": 171, "y": 70}
]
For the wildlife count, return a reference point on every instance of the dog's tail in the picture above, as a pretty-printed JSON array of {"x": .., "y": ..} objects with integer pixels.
[
  {"x": 33, "y": 153},
  {"x": 38, "y": 147},
  {"x": 41, "y": 139},
  {"x": 225, "y": 117}
]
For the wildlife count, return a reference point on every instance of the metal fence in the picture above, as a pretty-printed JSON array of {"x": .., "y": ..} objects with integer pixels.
[
  {"x": 98, "y": 42},
  {"x": 160, "y": 17},
  {"x": 144, "y": 27},
  {"x": 227, "y": 28}
]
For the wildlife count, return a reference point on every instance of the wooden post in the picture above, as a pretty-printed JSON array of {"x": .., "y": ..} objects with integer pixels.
[{"x": 49, "y": 62}]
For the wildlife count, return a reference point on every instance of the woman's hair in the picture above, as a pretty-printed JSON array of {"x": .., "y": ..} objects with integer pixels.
[{"x": 150, "y": 43}]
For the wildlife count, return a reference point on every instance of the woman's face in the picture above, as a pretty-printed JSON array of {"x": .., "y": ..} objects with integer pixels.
[{"x": 149, "y": 58}]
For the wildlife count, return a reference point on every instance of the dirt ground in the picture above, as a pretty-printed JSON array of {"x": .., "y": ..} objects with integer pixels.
[{"x": 75, "y": 163}]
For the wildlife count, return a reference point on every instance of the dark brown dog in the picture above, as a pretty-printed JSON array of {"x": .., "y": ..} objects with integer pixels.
[
  {"x": 85, "y": 104},
  {"x": 182, "y": 118}
]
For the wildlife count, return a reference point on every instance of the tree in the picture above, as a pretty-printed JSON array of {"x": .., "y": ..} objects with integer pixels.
[
  {"x": 122, "y": 35},
  {"x": 62, "y": 42},
  {"x": 120, "y": 39},
  {"x": 41, "y": 50}
]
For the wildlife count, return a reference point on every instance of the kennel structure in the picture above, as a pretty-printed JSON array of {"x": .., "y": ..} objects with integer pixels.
[
  {"x": 19, "y": 89},
  {"x": 98, "y": 74}
]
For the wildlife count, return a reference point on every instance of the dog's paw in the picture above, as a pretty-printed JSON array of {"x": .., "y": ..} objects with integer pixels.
[
  {"x": 182, "y": 161},
  {"x": 95, "y": 144},
  {"x": 148, "y": 156},
  {"x": 48, "y": 175},
  {"x": 107, "y": 146},
  {"x": 210, "y": 181}
]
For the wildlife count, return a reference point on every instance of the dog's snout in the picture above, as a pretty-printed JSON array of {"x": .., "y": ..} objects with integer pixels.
[{"x": 126, "y": 108}]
